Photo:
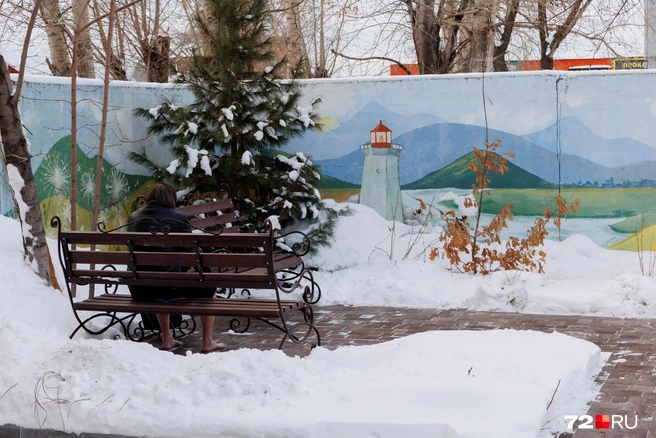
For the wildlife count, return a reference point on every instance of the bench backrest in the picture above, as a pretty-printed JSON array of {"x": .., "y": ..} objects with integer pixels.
[
  {"x": 243, "y": 260},
  {"x": 210, "y": 214}
]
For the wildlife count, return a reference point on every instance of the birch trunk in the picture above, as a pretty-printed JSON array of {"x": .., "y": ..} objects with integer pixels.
[
  {"x": 60, "y": 64},
  {"x": 84, "y": 48},
  {"x": 17, "y": 160}
]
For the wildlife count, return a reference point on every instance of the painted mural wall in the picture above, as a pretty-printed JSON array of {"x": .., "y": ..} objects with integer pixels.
[{"x": 589, "y": 135}]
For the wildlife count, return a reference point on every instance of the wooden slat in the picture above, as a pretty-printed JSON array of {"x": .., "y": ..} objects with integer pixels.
[
  {"x": 205, "y": 240},
  {"x": 189, "y": 276},
  {"x": 207, "y": 207},
  {"x": 185, "y": 310},
  {"x": 224, "y": 301},
  {"x": 213, "y": 221},
  {"x": 146, "y": 258},
  {"x": 100, "y": 257},
  {"x": 193, "y": 306},
  {"x": 181, "y": 284},
  {"x": 285, "y": 261}
]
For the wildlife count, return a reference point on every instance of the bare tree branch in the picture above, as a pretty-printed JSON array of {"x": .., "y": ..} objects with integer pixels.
[{"x": 380, "y": 58}]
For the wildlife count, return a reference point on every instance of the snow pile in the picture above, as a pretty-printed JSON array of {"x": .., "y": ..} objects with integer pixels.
[
  {"x": 376, "y": 263},
  {"x": 433, "y": 384}
]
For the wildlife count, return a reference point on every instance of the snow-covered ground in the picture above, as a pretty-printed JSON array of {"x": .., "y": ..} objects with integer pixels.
[{"x": 434, "y": 384}]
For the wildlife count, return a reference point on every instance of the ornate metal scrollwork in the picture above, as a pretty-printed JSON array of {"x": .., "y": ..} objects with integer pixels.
[
  {"x": 308, "y": 314},
  {"x": 301, "y": 338},
  {"x": 139, "y": 331},
  {"x": 112, "y": 321},
  {"x": 156, "y": 227},
  {"x": 235, "y": 325},
  {"x": 55, "y": 222},
  {"x": 141, "y": 201},
  {"x": 109, "y": 286},
  {"x": 299, "y": 247},
  {"x": 187, "y": 327},
  {"x": 311, "y": 291}
]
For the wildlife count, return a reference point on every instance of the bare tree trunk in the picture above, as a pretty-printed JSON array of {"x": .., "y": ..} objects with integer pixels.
[
  {"x": 103, "y": 124},
  {"x": 477, "y": 36},
  {"x": 426, "y": 34},
  {"x": 109, "y": 54},
  {"x": 294, "y": 41},
  {"x": 158, "y": 59},
  {"x": 73, "y": 191},
  {"x": 436, "y": 39},
  {"x": 17, "y": 160},
  {"x": 83, "y": 33},
  {"x": 478, "y": 23},
  {"x": 549, "y": 45},
  {"x": 114, "y": 62},
  {"x": 211, "y": 26},
  {"x": 60, "y": 64},
  {"x": 500, "y": 51},
  {"x": 321, "y": 69}
]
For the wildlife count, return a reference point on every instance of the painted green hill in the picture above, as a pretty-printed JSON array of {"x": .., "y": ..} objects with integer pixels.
[
  {"x": 457, "y": 175},
  {"x": 54, "y": 173},
  {"x": 632, "y": 224},
  {"x": 329, "y": 182},
  {"x": 326, "y": 182}
]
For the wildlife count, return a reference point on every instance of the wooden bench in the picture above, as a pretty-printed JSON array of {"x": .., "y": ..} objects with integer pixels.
[
  {"x": 246, "y": 260},
  {"x": 209, "y": 214}
]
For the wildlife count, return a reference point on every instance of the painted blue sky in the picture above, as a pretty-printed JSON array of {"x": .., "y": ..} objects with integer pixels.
[{"x": 613, "y": 105}]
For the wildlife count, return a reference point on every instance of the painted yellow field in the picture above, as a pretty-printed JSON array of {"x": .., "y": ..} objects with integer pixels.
[
  {"x": 339, "y": 195},
  {"x": 644, "y": 240}
]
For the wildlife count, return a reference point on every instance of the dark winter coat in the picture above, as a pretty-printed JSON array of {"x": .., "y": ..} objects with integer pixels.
[{"x": 148, "y": 219}]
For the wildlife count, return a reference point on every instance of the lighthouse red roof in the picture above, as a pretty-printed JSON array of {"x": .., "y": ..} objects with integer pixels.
[
  {"x": 381, "y": 128},
  {"x": 381, "y": 136}
]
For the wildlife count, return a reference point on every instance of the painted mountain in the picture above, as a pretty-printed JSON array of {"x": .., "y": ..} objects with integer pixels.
[
  {"x": 457, "y": 175},
  {"x": 578, "y": 139},
  {"x": 354, "y": 132},
  {"x": 433, "y": 147}
]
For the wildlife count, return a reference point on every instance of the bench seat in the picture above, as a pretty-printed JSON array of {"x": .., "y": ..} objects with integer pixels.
[{"x": 258, "y": 308}]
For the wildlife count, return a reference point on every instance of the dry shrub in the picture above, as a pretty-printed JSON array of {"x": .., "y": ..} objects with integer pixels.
[{"x": 476, "y": 248}]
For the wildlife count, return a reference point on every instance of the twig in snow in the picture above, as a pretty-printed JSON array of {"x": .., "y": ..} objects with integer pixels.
[
  {"x": 8, "y": 389},
  {"x": 99, "y": 405},
  {"x": 119, "y": 409},
  {"x": 553, "y": 395}
]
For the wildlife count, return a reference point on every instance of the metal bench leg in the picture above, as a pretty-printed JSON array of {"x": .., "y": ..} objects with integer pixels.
[{"x": 113, "y": 320}]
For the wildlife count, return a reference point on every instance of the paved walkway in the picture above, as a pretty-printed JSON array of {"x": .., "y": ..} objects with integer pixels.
[{"x": 629, "y": 378}]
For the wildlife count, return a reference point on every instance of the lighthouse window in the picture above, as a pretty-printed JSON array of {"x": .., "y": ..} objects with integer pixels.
[{"x": 381, "y": 138}]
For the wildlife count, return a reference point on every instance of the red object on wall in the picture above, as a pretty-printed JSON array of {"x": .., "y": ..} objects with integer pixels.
[
  {"x": 381, "y": 136},
  {"x": 565, "y": 64},
  {"x": 559, "y": 64},
  {"x": 396, "y": 70}
]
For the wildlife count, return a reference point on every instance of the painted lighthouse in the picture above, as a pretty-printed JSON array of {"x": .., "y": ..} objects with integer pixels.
[{"x": 381, "y": 186}]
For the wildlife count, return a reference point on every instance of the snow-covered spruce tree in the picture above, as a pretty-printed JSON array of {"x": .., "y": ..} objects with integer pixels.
[{"x": 243, "y": 112}]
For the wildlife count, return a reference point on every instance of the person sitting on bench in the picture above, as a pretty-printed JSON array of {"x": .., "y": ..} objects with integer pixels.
[{"x": 160, "y": 208}]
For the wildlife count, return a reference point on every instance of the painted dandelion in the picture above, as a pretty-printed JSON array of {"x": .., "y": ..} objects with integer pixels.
[
  {"x": 88, "y": 185},
  {"x": 57, "y": 175},
  {"x": 117, "y": 185}
]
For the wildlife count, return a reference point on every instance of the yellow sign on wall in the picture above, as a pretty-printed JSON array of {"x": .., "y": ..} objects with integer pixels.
[{"x": 629, "y": 63}]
